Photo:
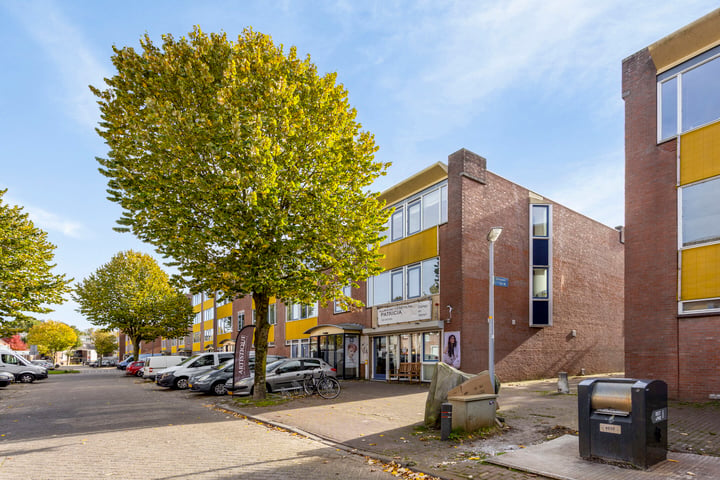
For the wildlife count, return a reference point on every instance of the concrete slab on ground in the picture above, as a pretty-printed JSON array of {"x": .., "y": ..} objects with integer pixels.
[{"x": 560, "y": 459}]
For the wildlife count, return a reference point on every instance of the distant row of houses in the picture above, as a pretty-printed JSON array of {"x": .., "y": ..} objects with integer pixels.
[{"x": 570, "y": 294}]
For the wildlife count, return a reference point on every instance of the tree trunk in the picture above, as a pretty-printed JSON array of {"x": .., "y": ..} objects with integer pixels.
[
  {"x": 136, "y": 348},
  {"x": 262, "y": 329}
]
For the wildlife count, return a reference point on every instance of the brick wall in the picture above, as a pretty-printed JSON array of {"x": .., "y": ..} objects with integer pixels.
[
  {"x": 658, "y": 345},
  {"x": 587, "y": 288}
]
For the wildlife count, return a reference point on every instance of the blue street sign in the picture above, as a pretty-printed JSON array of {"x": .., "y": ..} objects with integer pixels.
[{"x": 501, "y": 281}]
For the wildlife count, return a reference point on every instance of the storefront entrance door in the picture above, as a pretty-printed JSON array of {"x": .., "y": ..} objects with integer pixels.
[{"x": 379, "y": 358}]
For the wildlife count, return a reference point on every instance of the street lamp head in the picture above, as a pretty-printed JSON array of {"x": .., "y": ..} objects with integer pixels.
[{"x": 494, "y": 233}]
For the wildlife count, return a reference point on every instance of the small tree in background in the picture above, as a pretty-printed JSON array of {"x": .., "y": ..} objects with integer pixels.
[
  {"x": 105, "y": 343},
  {"x": 131, "y": 293},
  {"x": 52, "y": 337}
]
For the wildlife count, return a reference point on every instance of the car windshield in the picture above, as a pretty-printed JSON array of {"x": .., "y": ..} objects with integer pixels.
[
  {"x": 273, "y": 365},
  {"x": 188, "y": 359},
  {"x": 226, "y": 363}
]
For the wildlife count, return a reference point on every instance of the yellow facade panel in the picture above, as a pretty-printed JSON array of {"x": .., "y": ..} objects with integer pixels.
[
  {"x": 418, "y": 182},
  {"x": 208, "y": 303},
  {"x": 414, "y": 248},
  {"x": 271, "y": 335},
  {"x": 700, "y": 154},
  {"x": 223, "y": 337},
  {"x": 700, "y": 275},
  {"x": 224, "y": 311},
  {"x": 686, "y": 43},
  {"x": 295, "y": 329},
  {"x": 197, "y": 308}
]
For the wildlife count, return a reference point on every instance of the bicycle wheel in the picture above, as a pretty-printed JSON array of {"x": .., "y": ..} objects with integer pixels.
[
  {"x": 328, "y": 388},
  {"x": 309, "y": 385}
]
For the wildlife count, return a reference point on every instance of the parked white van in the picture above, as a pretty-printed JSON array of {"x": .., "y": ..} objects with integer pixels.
[
  {"x": 23, "y": 370},
  {"x": 155, "y": 365}
]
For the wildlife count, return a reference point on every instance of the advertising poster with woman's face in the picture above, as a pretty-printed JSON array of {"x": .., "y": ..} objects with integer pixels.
[
  {"x": 451, "y": 350},
  {"x": 351, "y": 353}
]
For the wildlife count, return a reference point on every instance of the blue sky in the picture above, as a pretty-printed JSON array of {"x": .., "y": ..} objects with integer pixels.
[{"x": 533, "y": 86}]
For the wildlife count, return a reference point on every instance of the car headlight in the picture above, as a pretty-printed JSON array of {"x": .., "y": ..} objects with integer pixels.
[{"x": 201, "y": 378}]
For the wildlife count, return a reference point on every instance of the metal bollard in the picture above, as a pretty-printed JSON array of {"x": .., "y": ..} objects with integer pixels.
[
  {"x": 445, "y": 420},
  {"x": 563, "y": 386}
]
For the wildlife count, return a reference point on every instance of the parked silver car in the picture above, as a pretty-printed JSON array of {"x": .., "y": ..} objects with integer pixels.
[
  {"x": 43, "y": 363},
  {"x": 213, "y": 381},
  {"x": 287, "y": 374}
]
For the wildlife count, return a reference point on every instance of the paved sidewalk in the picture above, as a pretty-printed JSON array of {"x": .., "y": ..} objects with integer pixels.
[{"x": 384, "y": 420}]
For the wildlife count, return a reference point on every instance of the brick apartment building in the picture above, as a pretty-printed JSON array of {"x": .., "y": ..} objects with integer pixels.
[
  {"x": 672, "y": 210},
  {"x": 562, "y": 308}
]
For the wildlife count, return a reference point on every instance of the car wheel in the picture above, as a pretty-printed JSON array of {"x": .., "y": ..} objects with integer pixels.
[
  {"x": 181, "y": 383},
  {"x": 218, "y": 388},
  {"x": 139, "y": 373},
  {"x": 27, "y": 378}
]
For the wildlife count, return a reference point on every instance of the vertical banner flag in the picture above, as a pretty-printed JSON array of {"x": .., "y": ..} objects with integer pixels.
[{"x": 243, "y": 342}]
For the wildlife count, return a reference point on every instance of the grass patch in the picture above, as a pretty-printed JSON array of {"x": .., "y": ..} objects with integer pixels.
[
  {"x": 62, "y": 372},
  {"x": 270, "y": 401},
  {"x": 458, "y": 435}
]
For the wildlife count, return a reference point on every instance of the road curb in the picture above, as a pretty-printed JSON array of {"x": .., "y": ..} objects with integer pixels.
[{"x": 331, "y": 442}]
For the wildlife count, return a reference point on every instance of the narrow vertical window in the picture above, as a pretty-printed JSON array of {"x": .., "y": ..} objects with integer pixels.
[
  {"x": 443, "y": 204},
  {"x": 431, "y": 276},
  {"x": 431, "y": 209},
  {"x": 397, "y": 285},
  {"x": 413, "y": 281},
  {"x": 668, "y": 108},
  {"x": 540, "y": 265},
  {"x": 397, "y": 224},
  {"x": 414, "y": 221},
  {"x": 386, "y": 234}
]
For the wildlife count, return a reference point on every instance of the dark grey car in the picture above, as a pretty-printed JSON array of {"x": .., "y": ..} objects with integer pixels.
[
  {"x": 287, "y": 374},
  {"x": 213, "y": 381}
]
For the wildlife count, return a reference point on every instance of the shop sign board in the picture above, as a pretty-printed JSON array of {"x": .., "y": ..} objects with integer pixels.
[{"x": 410, "y": 312}]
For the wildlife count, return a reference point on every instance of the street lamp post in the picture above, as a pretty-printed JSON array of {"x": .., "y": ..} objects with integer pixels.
[{"x": 492, "y": 237}]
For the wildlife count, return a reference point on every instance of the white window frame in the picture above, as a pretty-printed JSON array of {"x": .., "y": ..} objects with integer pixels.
[
  {"x": 337, "y": 307},
  {"x": 549, "y": 266},
  {"x": 404, "y": 272},
  {"x": 224, "y": 325},
  {"x": 403, "y": 207},
  {"x": 692, "y": 64}
]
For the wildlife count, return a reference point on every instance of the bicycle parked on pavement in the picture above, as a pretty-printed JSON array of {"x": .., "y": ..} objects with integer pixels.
[{"x": 325, "y": 386}]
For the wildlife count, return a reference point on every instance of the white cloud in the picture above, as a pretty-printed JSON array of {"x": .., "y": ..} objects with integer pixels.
[
  {"x": 444, "y": 60},
  {"x": 51, "y": 222},
  {"x": 67, "y": 49}
]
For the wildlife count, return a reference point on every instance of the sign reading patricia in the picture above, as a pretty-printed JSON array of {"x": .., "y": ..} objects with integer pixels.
[
  {"x": 243, "y": 342},
  {"x": 410, "y": 312}
]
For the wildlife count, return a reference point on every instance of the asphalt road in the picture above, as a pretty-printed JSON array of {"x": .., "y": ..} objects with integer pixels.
[{"x": 102, "y": 424}]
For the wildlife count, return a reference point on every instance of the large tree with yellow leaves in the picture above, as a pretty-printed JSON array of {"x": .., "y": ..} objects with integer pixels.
[{"x": 245, "y": 166}]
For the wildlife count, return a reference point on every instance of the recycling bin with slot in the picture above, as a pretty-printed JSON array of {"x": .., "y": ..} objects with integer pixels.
[{"x": 623, "y": 420}]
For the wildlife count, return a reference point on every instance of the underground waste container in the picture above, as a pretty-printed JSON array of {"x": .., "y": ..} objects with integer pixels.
[{"x": 623, "y": 420}]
